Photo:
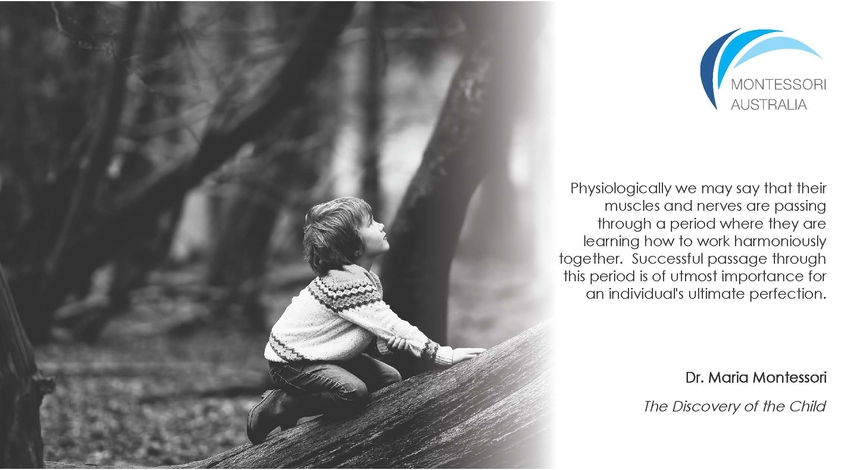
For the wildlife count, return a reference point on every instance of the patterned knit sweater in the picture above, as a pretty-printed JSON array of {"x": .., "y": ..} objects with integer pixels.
[{"x": 337, "y": 316}]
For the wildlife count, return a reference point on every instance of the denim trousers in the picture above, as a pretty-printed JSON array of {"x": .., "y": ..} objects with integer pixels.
[{"x": 332, "y": 387}]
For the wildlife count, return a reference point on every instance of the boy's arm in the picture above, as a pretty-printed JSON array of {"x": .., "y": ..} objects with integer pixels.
[
  {"x": 378, "y": 318},
  {"x": 361, "y": 303}
]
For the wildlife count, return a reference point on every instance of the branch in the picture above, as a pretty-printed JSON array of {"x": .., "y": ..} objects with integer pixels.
[{"x": 80, "y": 43}]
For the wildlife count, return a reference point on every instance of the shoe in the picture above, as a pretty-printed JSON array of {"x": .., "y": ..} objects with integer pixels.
[{"x": 266, "y": 415}]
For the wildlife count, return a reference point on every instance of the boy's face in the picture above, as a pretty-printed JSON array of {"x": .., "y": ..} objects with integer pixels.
[{"x": 374, "y": 239}]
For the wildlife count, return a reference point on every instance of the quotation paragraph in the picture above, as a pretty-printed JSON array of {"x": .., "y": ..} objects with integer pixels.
[{"x": 709, "y": 242}]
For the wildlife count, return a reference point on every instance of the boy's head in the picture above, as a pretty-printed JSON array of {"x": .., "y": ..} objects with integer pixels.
[{"x": 331, "y": 238}]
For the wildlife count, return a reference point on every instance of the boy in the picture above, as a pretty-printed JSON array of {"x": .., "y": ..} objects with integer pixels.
[{"x": 315, "y": 350}]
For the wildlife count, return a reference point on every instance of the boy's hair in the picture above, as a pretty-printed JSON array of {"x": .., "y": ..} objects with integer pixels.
[{"x": 330, "y": 233}]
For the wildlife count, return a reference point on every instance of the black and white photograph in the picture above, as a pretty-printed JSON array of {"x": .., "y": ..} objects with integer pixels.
[{"x": 276, "y": 234}]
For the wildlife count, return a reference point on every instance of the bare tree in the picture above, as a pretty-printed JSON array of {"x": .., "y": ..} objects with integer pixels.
[
  {"x": 92, "y": 244},
  {"x": 48, "y": 292},
  {"x": 146, "y": 241}
]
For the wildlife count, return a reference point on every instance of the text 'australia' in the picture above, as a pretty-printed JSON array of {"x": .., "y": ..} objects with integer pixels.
[{"x": 769, "y": 104}]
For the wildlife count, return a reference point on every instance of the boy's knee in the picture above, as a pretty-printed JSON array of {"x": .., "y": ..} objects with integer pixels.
[
  {"x": 356, "y": 396},
  {"x": 391, "y": 376}
]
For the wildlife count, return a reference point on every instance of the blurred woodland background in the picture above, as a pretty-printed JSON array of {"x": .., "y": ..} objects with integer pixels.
[{"x": 157, "y": 160}]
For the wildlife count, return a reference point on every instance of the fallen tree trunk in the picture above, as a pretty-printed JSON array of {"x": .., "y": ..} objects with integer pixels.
[{"x": 491, "y": 412}]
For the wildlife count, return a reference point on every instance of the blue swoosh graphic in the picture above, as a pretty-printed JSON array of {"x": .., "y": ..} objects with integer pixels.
[
  {"x": 775, "y": 44},
  {"x": 706, "y": 66},
  {"x": 735, "y": 46}
]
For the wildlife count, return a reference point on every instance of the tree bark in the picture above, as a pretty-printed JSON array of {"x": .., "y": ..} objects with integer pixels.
[
  {"x": 475, "y": 118},
  {"x": 21, "y": 390},
  {"x": 373, "y": 105}
]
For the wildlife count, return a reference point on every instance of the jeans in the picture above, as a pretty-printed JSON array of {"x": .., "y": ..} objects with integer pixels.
[{"x": 335, "y": 387}]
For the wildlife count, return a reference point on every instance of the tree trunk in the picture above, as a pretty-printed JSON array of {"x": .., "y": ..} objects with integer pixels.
[
  {"x": 475, "y": 119},
  {"x": 53, "y": 286},
  {"x": 373, "y": 104},
  {"x": 282, "y": 166},
  {"x": 146, "y": 241},
  {"x": 21, "y": 390},
  {"x": 495, "y": 228},
  {"x": 285, "y": 164},
  {"x": 233, "y": 49},
  {"x": 54, "y": 178},
  {"x": 238, "y": 260}
]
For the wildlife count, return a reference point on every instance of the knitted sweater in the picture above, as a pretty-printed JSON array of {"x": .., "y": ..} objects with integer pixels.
[{"x": 337, "y": 316}]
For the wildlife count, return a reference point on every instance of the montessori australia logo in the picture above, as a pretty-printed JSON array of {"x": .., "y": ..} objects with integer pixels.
[{"x": 773, "y": 93}]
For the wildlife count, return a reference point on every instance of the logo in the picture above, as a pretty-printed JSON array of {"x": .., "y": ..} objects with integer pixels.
[{"x": 760, "y": 45}]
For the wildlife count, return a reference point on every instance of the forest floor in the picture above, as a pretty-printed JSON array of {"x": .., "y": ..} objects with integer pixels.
[{"x": 151, "y": 392}]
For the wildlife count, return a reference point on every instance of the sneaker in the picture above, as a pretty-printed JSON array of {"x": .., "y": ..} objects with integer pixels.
[{"x": 266, "y": 415}]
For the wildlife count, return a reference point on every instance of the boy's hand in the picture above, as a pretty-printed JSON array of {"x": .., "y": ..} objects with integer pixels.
[
  {"x": 463, "y": 354},
  {"x": 397, "y": 344}
]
